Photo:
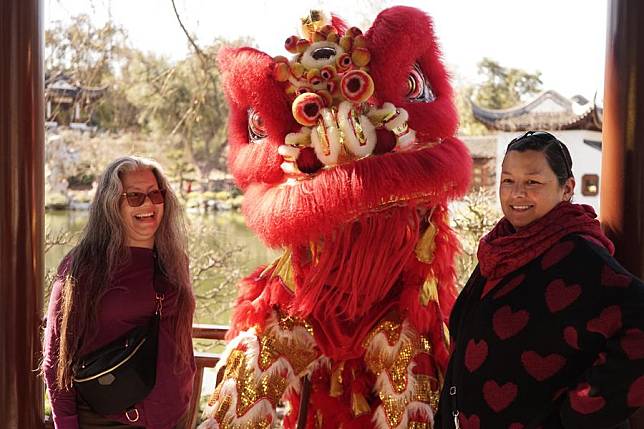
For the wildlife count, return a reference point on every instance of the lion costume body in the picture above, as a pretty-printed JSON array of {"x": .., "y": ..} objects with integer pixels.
[{"x": 347, "y": 159}]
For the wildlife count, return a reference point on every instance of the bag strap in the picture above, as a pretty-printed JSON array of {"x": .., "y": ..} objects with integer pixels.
[{"x": 159, "y": 294}]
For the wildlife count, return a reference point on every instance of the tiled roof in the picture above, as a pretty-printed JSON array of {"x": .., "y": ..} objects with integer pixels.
[{"x": 549, "y": 110}]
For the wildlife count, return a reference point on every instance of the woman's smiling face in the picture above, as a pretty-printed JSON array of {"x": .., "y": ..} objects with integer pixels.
[
  {"x": 529, "y": 188},
  {"x": 141, "y": 223}
]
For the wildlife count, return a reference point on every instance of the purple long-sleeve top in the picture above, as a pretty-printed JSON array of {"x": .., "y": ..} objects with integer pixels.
[{"x": 129, "y": 302}]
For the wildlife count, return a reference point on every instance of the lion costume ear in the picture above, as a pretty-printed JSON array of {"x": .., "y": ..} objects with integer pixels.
[
  {"x": 400, "y": 38},
  {"x": 247, "y": 77},
  {"x": 249, "y": 86}
]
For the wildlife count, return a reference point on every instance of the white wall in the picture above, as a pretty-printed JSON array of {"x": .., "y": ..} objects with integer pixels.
[{"x": 585, "y": 159}]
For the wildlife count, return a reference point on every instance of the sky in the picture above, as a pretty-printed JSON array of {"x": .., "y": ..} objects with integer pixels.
[{"x": 562, "y": 39}]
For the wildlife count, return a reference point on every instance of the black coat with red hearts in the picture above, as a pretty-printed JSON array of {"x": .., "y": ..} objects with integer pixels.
[{"x": 559, "y": 343}]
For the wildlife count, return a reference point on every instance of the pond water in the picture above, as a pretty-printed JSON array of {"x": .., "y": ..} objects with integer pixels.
[{"x": 219, "y": 230}]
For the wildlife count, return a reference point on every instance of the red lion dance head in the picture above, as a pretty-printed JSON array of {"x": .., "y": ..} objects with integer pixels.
[{"x": 347, "y": 158}]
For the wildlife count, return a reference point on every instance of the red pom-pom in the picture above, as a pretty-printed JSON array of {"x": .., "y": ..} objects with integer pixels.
[
  {"x": 386, "y": 141},
  {"x": 307, "y": 162}
]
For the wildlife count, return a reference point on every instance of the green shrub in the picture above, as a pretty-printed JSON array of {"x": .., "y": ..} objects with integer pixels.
[{"x": 56, "y": 201}]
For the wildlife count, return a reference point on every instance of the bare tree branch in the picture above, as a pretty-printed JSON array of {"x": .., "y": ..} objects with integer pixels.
[{"x": 202, "y": 56}]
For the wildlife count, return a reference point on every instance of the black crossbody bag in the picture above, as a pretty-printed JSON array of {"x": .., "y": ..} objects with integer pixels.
[{"x": 115, "y": 377}]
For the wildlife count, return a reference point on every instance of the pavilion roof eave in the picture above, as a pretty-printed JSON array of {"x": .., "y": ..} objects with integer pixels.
[{"x": 526, "y": 116}]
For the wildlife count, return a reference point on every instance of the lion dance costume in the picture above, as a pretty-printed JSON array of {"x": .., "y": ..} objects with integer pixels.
[{"x": 347, "y": 159}]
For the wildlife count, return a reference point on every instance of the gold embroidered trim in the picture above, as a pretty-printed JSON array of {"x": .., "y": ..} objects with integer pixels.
[
  {"x": 429, "y": 291},
  {"x": 426, "y": 245}
]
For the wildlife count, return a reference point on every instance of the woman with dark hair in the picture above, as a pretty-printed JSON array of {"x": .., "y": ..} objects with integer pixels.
[
  {"x": 549, "y": 330},
  {"x": 130, "y": 264}
]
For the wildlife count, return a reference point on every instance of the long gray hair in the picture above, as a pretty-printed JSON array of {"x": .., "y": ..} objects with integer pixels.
[{"x": 102, "y": 249}]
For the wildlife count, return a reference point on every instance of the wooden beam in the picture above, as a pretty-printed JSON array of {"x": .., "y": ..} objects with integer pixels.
[{"x": 21, "y": 212}]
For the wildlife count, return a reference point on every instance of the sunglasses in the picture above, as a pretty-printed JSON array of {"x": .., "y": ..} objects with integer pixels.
[
  {"x": 545, "y": 138},
  {"x": 136, "y": 199}
]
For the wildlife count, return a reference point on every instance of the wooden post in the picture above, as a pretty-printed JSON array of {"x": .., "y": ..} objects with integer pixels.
[
  {"x": 21, "y": 212},
  {"x": 622, "y": 186}
]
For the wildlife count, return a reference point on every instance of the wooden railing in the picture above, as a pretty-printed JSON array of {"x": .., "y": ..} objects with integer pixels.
[{"x": 203, "y": 361}]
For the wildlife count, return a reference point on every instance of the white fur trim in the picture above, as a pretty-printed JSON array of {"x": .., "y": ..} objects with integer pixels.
[
  {"x": 380, "y": 421},
  {"x": 209, "y": 424},
  {"x": 379, "y": 344},
  {"x": 232, "y": 345},
  {"x": 422, "y": 409}
]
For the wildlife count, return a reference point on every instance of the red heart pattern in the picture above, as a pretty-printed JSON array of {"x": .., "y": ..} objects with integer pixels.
[
  {"x": 542, "y": 367},
  {"x": 614, "y": 279},
  {"x": 499, "y": 397},
  {"x": 608, "y": 322},
  {"x": 632, "y": 344},
  {"x": 581, "y": 402},
  {"x": 475, "y": 354},
  {"x": 507, "y": 323},
  {"x": 510, "y": 286},
  {"x": 556, "y": 254},
  {"x": 635, "y": 396},
  {"x": 571, "y": 338},
  {"x": 559, "y": 295},
  {"x": 516, "y": 426},
  {"x": 471, "y": 422}
]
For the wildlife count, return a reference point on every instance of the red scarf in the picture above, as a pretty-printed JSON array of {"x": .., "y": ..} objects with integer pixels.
[{"x": 504, "y": 250}]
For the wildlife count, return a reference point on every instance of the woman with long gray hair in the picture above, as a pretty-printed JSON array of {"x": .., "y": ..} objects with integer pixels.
[{"x": 129, "y": 268}]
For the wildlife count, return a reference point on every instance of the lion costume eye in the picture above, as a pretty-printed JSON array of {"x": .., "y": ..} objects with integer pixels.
[
  {"x": 256, "y": 128},
  {"x": 418, "y": 88}
]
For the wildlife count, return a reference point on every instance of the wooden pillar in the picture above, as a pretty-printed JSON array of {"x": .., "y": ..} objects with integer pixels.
[
  {"x": 622, "y": 186},
  {"x": 21, "y": 212}
]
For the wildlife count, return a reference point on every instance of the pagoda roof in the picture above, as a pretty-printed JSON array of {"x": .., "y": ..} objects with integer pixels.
[
  {"x": 62, "y": 86},
  {"x": 548, "y": 111}
]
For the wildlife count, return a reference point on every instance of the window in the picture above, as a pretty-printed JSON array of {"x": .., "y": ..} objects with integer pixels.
[{"x": 589, "y": 185}]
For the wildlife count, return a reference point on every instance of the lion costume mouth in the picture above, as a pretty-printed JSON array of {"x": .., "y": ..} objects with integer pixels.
[{"x": 300, "y": 211}]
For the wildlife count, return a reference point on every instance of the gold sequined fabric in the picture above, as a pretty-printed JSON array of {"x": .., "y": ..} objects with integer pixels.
[
  {"x": 394, "y": 409},
  {"x": 396, "y": 370},
  {"x": 274, "y": 344},
  {"x": 251, "y": 390},
  {"x": 419, "y": 425},
  {"x": 298, "y": 355},
  {"x": 391, "y": 326}
]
